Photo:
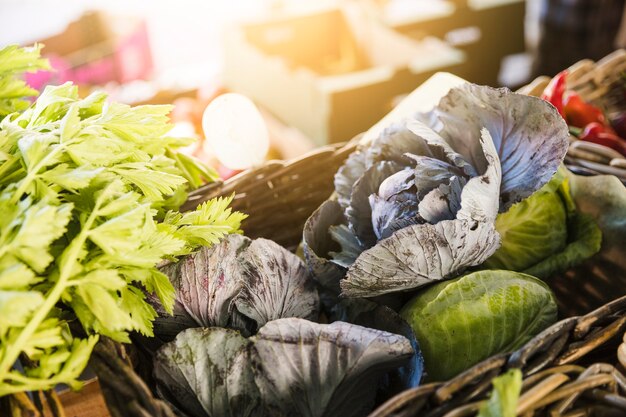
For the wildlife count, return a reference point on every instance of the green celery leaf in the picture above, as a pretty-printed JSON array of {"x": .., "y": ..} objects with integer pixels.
[
  {"x": 121, "y": 233},
  {"x": 36, "y": 151},
  {"x": 105, "y": 306},
  {"x": 504, "y": 397},
  {"x": 141, "y": 313},
  {"x": 152, "y": 183},
  {"x": 16, "y": 308},
  {"x": 14, "y": 275},
  {"x": 155, "y": 282},
  {"x": 40, "y": 226},
  {"x": 53, "y": 103},
  {"x": 210, "y": 222},
  {"x": 136, "y": 124},
  {"x": 71, "y": 178},
  {"x": 15, "y": 59}
]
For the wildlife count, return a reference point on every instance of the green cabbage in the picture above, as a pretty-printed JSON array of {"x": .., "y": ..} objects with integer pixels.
[
  {"x": 545, "y": 233},
  {"x": 461, "y": 322}
]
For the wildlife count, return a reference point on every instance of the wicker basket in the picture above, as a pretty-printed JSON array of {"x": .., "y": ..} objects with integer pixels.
[
  {"x": 570, "y": 369},
  {"x": 595, "y": 82}
]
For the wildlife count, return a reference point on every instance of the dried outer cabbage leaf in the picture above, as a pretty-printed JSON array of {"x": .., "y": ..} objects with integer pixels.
[
  {"x": 317, "y": 245},
  {"x": 313, "y": 370},
  {"x": 460, "y": 322},
  {"x": 292, "y": 367},
  {"x": 347, "y": 175},
  {"x": 359, "y": 212},
  {"x": 207, "y": 373},
  {"x": 373, "y": 315},
  {"x": 207, "y": 281},
  {"x": 528, "y": 133},
  {"x": 239, "y": 284},
  {"x": 275, "y": 284},
  {"x": 420, "y": 255}
]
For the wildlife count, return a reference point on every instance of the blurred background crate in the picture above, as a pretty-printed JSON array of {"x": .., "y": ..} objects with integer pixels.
[
  {"x": 486, "y": 30},
  {"x": 331, "y": 73}
]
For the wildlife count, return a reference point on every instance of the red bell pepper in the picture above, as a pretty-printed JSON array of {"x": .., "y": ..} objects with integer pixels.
[
  {"x": 579, "y": 113},
  {"x": 554, "y": 91},
  {"x": 602, "y": 135}
]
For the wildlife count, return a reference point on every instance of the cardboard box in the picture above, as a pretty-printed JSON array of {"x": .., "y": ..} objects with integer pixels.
[
  {"x": 331, "y": 73},
  {"x": 486, "y": 30},
  {"x": 97, "y": 48}
]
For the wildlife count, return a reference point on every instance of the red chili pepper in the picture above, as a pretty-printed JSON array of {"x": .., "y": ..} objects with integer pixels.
[
  {"x": 602, "y": 135},
  {"x": 554, "y": 91},
  {"x": 579, "y": 113}
]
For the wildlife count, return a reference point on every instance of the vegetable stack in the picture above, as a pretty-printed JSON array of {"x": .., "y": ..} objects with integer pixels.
[{"x": 87, "y": 193}]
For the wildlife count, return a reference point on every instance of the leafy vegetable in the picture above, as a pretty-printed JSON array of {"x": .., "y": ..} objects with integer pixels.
[
  {"x": 603, "y": 197},
  {"x": 545, "y": 233},
  {"x": 299, "y": 368},
  {"x": 504, "y": 397},
  {"x": 463, "y": 321},
  {"x": 419, "y": 255},
  {"x": 420, "y": 202},
  {"x": 207, "y": 372},
  {"x": 240, "y": 284},
  {"x": 14, "y": 62},
  {"x": 85, "y": 188}
]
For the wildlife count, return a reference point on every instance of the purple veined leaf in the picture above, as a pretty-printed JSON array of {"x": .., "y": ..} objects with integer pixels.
[
  {"x": 440, "y": 149},
  {"x": 317, "y": 244},
  {"x": 479, "y": 198},
  {"x": 276, "y": 284},
  {"x": 389, "y": 216},
  {"x": 206, "y": 282},
  {"x": 359, "y": 213},
  {"x": 393, "y": 143},
  {"x": 476, "y": 199},
  {"x": 350, "y": 246},
  {"x": 529, "y": 135},
  {"x": 206, "y": 372},
  {"x": 419, "y": 255},
  {"x": 352, "y": 169},
  {"x": 313, "y": 370},
  {"x": 372, "y": 315},
  {"x": 443, "y": 202}
]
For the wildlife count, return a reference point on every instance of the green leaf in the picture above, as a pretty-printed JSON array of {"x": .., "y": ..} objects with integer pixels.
[
  {"x": 586, "y": 240},
  {"x": 545, "y": 233},
  {"x": 136, "y": 124},
  {"x": 121, "y": 233},
  {"x": 105, "y": 306},
  {"x": 69, "y": 178},
  {"x": 16, "y": 308},
  {"x": 15, "y": 275},
  {"x": 461, "y": 322},
  {"x": 141, "y": 313},
  {"x": 15, "y": 59},
  {"x": 152, "y": 183},
  {"x": 40, "y": 226},
  {"x": 53, "y": 103},
  {"x": 36, "y": 151},
  {"x": 194, "y": 171},
  {"x": 155, "y": 282},
  {"x": 530, "y": 231},
  {"x": 503, "y": 399},
  {"x": 210, "y": 222}
]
